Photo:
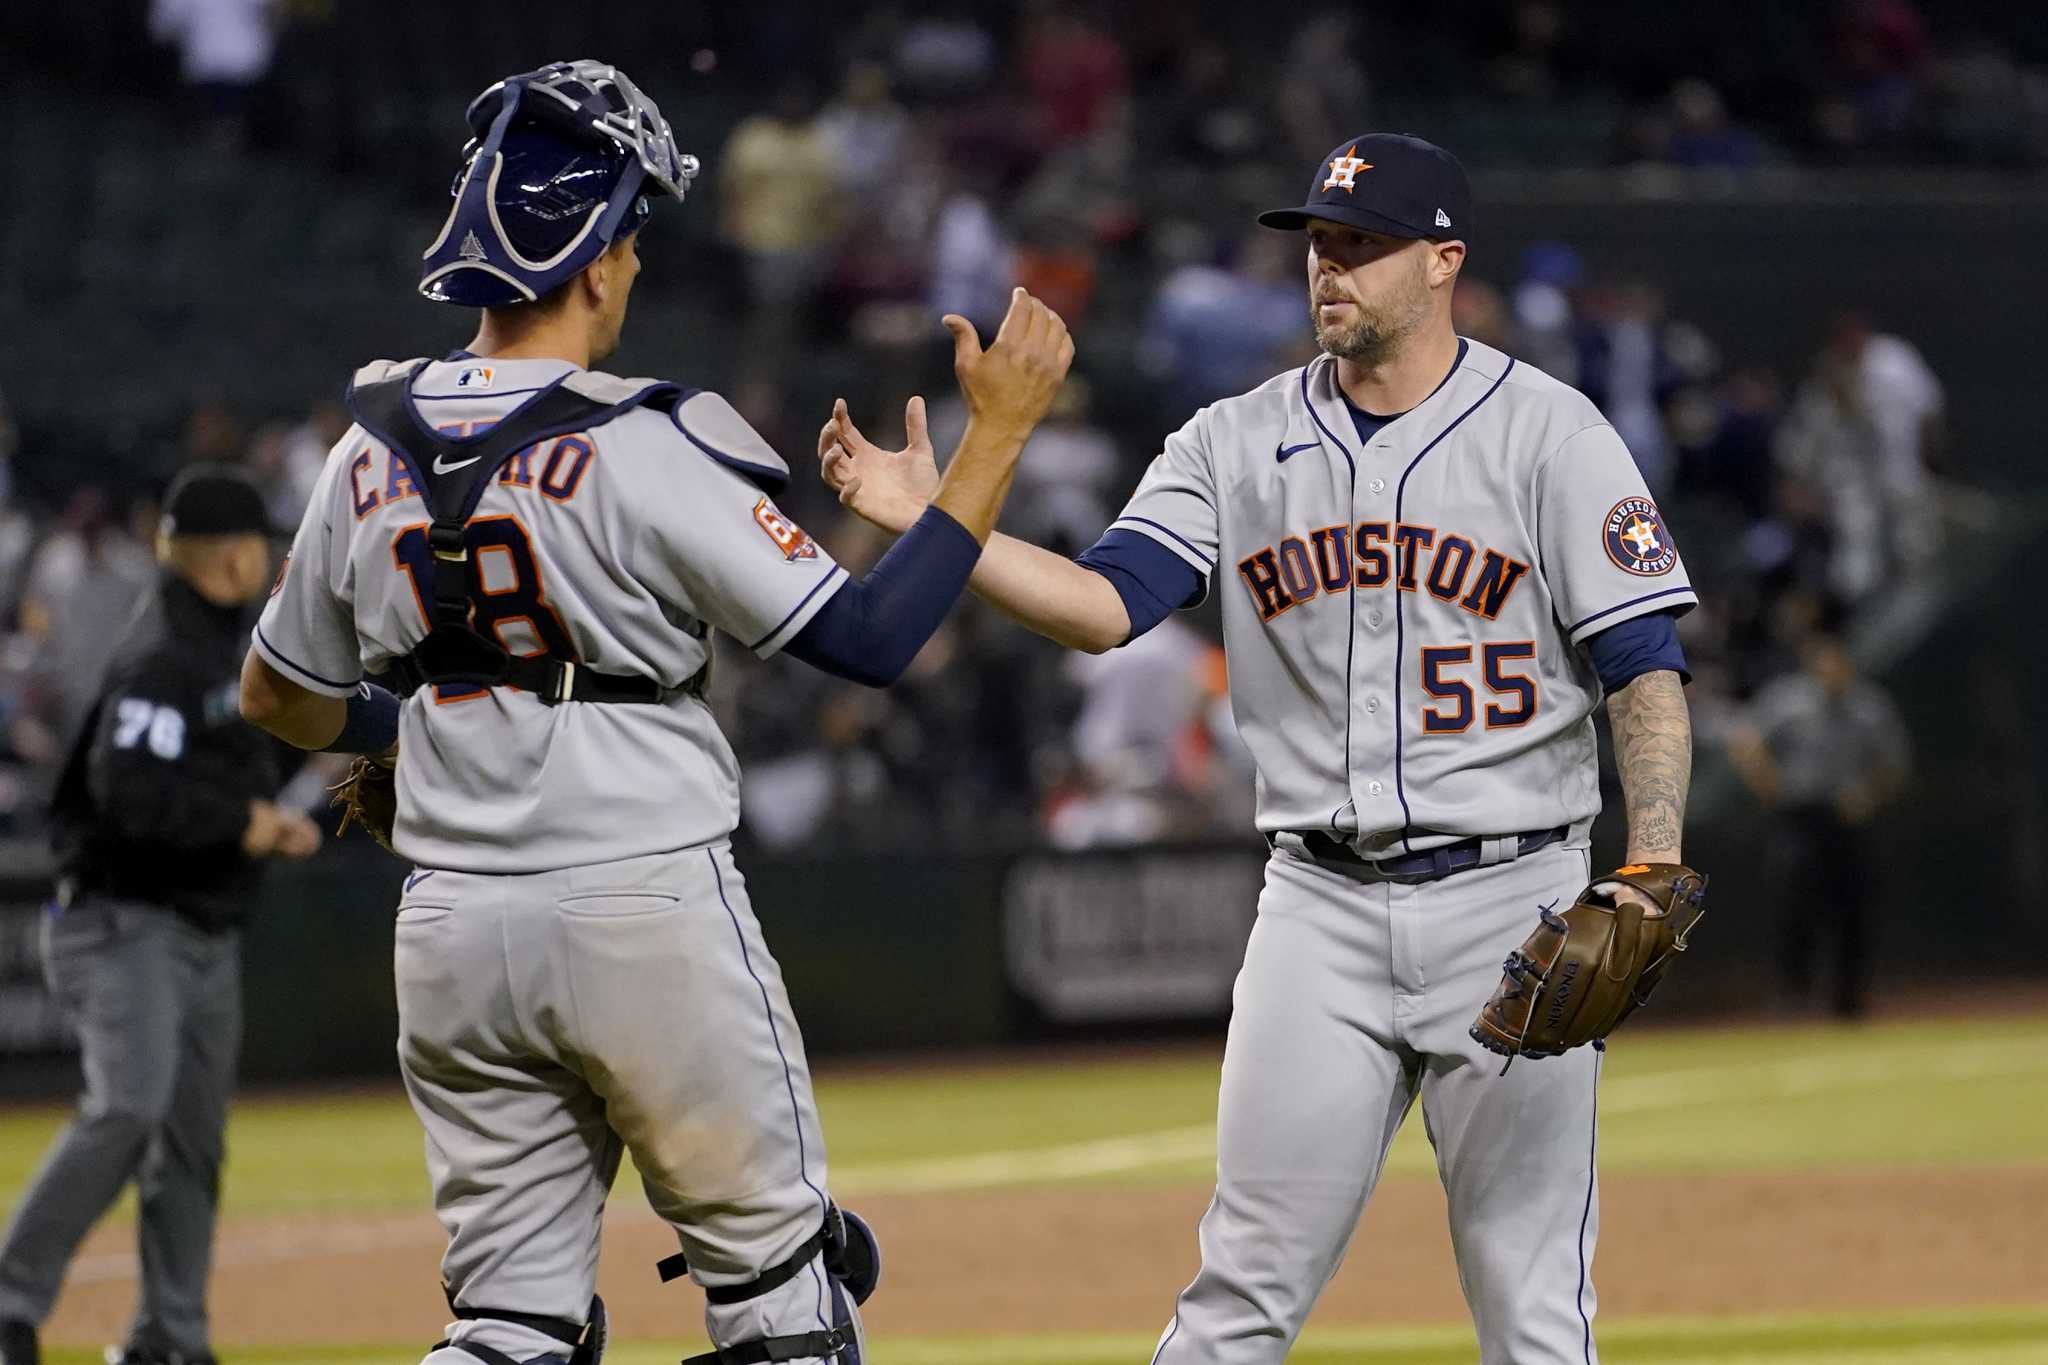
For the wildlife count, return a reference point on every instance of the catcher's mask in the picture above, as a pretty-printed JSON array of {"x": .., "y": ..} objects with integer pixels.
[{"x": 562, "y": 162}]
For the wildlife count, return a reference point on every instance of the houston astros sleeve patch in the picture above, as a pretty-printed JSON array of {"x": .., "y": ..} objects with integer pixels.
[{"x": 1637, "y": 540}]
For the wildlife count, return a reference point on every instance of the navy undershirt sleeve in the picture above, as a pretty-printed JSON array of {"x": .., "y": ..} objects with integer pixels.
[
  {"x": 871, "y": 629},
  {"x": 1152, "y": 580},
  {"x": 1642, "y": 644}
]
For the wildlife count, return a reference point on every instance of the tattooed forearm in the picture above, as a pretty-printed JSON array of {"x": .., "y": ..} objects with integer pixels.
[{"x": 1653, "y": 752}]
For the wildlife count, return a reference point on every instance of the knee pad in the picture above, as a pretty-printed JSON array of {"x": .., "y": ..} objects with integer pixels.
[
  {"x": 853, "y": 1255},
  {"x": 585, "y": 1340},
  {"x": 852, "y": 1258}
]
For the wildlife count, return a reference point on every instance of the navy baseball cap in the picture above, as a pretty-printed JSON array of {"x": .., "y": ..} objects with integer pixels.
[{"x": 1386, "y": 182}]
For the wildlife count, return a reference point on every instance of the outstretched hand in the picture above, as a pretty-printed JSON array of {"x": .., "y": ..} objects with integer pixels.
[
  {"x": 1007, "y": 389},
  {"x": 887, "y": 487}
]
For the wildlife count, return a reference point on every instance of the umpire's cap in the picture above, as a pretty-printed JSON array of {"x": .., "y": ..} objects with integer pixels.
[
  {"x": 1386, "y": 182},
  {"x": 214, "y": 500},
  {"x": 563, "y": 162}
]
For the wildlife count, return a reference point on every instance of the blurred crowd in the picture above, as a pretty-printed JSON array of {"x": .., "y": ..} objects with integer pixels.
[
  {"x": 1798, "y": 501},
  {"x": 1746, "y": 84},
  {"x": 943, "y": 157},
  {"x": 1874, "y": 82}
]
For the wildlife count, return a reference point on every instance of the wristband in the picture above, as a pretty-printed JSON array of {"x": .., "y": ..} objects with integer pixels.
[{"x": 371, "y": 726}]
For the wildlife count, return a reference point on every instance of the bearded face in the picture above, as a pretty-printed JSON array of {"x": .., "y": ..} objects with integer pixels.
[{"x": 1367, "y": 293}]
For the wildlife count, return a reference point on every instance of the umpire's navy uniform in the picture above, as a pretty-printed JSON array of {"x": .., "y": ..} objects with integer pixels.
[{"x": 141, "y": 948}]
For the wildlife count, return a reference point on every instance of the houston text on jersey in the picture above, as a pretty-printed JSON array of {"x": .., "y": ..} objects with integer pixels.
[{"x": 1334, "y": 559}]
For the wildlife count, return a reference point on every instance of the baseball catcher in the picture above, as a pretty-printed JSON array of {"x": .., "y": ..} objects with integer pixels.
[{"x": 535, "y": 555}]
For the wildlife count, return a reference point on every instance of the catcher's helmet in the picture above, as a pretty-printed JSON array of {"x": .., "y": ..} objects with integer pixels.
[{"x": 561, "y": 164}]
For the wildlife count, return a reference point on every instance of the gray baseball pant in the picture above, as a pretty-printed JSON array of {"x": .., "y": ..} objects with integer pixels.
[
  {"x": 158, "y": 1006},
  {"x": 549, "y": 1021},
  {"x": 1354, "y": 1001}
]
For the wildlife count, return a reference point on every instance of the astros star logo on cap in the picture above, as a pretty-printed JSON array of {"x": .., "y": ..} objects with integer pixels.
[{"x": 1344, "y": 169}]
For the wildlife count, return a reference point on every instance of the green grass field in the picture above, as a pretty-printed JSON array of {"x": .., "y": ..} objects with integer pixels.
[
  {"x": 1917, "y": 1095},
  {"x": 2001, "y": 1338}
]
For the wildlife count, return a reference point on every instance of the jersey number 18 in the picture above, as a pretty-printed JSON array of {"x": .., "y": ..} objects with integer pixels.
[{"x": 493, "y": 542}]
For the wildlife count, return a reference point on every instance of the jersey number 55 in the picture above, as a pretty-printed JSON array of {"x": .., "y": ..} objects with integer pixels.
[{"x": 1444, "y": 670}]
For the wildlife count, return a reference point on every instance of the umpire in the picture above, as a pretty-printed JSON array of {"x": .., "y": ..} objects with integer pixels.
[
  {"x": 1826, "y": 750},
  {"x": 163, "y": 815}
]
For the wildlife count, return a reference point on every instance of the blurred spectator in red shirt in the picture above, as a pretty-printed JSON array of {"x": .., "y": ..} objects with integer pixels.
[
  {"x": 1881, "y": 48},
  {"x": 1075, "y": 71}
]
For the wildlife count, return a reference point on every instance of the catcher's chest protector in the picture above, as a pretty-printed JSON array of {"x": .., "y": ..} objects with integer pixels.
[{"x": 451, "y": 474}]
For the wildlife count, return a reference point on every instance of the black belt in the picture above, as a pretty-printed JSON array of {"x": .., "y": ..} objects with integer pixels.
[
  {"x": 552, "y": 680},
  {"x": 1414, "y": 868}
]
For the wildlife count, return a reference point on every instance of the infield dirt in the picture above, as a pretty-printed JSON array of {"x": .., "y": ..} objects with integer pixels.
[{"x": 1106, "y": 1257}]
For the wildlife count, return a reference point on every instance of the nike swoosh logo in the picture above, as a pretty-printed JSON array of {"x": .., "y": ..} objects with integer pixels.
[
  {"x": 416, "y": 878},
  {"x": 1284, "y": 451},
  {"x": 442, "y": 467}
]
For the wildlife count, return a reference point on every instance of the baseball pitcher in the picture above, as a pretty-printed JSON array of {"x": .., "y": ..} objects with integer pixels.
[
  {"x": 1435, "y": 563},
  {"x": 532, "y": 557}
]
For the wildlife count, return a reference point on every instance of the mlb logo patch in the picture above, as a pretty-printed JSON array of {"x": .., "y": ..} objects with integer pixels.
[
  {"x": 475, "y": 377},
  {"x": 790, "y": 538},
  {"x": 1636, "y": 539}
]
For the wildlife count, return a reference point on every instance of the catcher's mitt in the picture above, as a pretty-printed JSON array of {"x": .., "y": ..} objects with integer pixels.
[
  {"x": 368, "y": 796},
  {"x": 1584, "y": 971}
]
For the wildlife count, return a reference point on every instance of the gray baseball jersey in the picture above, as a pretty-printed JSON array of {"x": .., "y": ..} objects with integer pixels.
[
  {"x": 627, "y": 544},
  {"x": 1403, "y": 621}
]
